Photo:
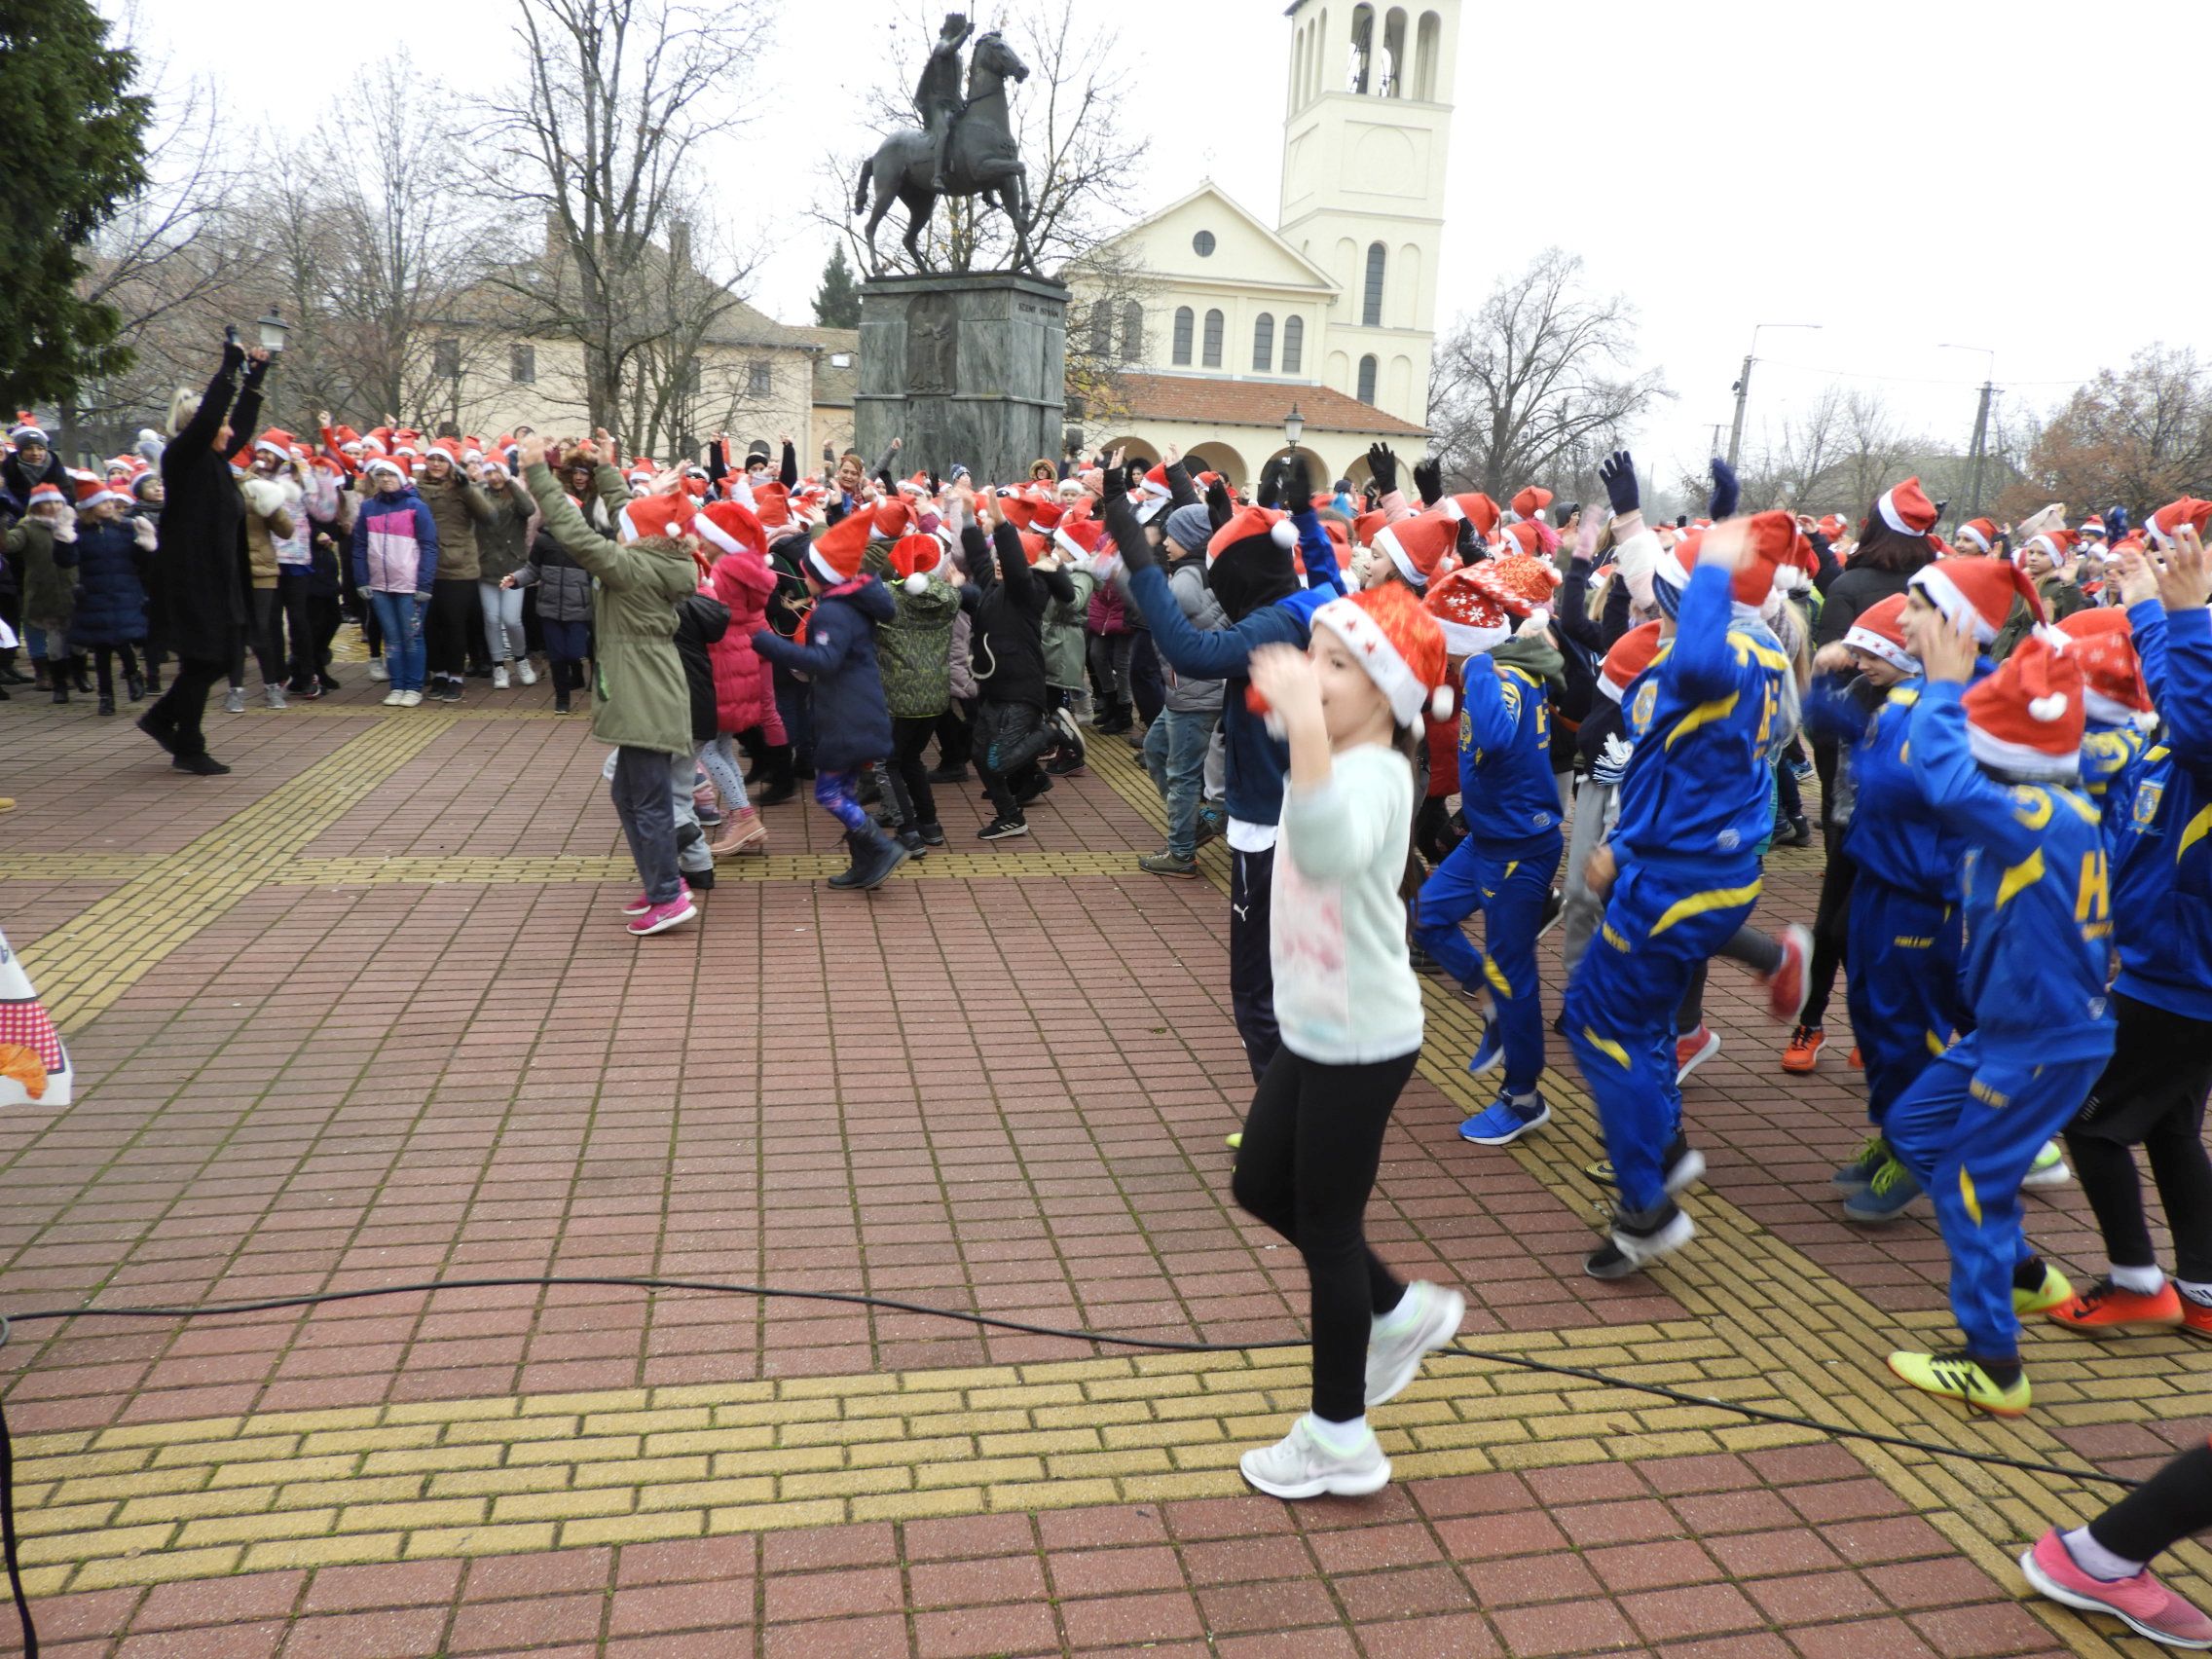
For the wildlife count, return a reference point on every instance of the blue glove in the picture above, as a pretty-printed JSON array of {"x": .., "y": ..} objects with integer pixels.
[
  {"x": 1618, "y": 473},
  {"x": 2116, "y": 525},
  {"x": 1725, "y": 491}
]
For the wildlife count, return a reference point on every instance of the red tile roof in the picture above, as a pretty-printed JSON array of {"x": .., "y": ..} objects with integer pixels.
[{"x": 1254, "y": 403}]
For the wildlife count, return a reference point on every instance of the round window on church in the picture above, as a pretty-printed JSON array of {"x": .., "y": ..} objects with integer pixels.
[{"x": 1201, "y": 245}]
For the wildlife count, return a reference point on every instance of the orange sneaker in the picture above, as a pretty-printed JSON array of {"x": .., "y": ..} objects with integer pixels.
[
  {"x": 1804, "y": 1050},
  {"x": 2197, "y": 1319},
  {"x": 1856, "y": 1064},
  {"x": 2105, "y": 1309}
]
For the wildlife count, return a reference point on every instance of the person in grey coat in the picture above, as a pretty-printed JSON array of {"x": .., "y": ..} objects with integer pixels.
[
  {"x": 1175, "y": 745},
  {"x": 563, "y": 612}
]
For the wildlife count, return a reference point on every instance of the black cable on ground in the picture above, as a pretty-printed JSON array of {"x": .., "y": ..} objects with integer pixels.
[{"x": 890, "y": 1304}]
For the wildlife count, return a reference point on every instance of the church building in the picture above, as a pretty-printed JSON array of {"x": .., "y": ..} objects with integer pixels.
[{"x": 1333, "y": 311}]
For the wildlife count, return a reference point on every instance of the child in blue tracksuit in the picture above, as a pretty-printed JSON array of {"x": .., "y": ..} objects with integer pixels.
[
  {"x": 1999, "y": 764},
  {"x": 1503, "y": 868},
  {"x": 1682, "y": 867}
]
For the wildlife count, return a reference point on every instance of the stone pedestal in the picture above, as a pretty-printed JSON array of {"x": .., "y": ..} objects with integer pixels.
[{"x": 967, "y": 370}]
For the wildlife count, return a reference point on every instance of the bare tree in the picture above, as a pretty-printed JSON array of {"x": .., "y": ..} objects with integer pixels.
[
  {"x": 2140, "y": 436},
  {"x": 1535, "y": 380},
  {"x": 620, "y": 97},
  {"x": 1790, "y": 470}
]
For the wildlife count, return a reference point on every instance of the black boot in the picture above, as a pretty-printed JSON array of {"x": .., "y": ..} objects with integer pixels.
[
  {"x": 134, "y": 688},
  {"x": 850, "y": 876},
  {"x": 83, "y": 679},
  {"x": 10, "y": 674},
  {"x": 783, "y": 783},
  {"x": 107, "y": 702},
  {"x": 60, "y": 682}
]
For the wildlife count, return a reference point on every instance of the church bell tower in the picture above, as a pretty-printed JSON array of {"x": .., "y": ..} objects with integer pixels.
[{"x": 1366, "y": 132}]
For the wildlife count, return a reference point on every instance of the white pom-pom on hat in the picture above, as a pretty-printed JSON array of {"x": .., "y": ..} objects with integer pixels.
[
  {"x": 2046, "y": 709},
  {"x": 1283, "y": 534},
  {"x": 917, "y": 583},
  {"x": 1441, "y": 704}
]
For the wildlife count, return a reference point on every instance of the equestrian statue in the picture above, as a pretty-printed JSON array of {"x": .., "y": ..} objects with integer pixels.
[{"x": 965, "y": 146}]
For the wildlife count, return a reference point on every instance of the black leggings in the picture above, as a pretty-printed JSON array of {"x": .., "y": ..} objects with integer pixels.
[
  {"x": 2151, "y": 1095},
  {"x": 103, "y": 666},
  {"x": 2164, "y": 1510},
  {"x": 1312, "y": 1142},
  {"x": 445, "y": 626},
  {"x": 909, "y": 738},
  {"x": 1831, "y": 925}
]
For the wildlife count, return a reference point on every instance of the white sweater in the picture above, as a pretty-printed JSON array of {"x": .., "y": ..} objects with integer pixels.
[{"x": 1346, "y": 993}]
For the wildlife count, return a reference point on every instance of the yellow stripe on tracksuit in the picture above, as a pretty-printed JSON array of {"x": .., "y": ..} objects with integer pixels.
[
  {"x": 2194, "y": 832},
  {"x": 1969, "y": 1196},
  {"x": 1606, "y": 1046},
  {"x": 2026, "y": 874},
  {"x": 1705, "y": 713},
  {"x": 1697, "y": 904}
]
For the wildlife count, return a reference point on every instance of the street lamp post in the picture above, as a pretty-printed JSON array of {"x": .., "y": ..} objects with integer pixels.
[
  {"x": 1744, "y": 387},
  {"x": 1979, "y": 447},
  {"x": 1293, "y": 426},
  {"x": 272, "y": 330}
]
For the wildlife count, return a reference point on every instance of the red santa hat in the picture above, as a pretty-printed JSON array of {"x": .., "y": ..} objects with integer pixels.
[
  {"x": 1772, "y": 543},
  {"x": 835, "y": 555},
  {"x": 1905, "y": 508},
  {"x": 2093, "y": 526},
  {"x": 1979, "y": 535},
  {"x": 1532, "y": 501},
  {"x": 1521, "y": 583},
  {"x": 1976, "y": 591},
  {"x": 1833, "y": 526},
  {"x": 275, "y": 441},
  {"x": 2113, "y": 689},
  {"x": 91, "y": 490},
  {"x": 772, "y": 506},
  {"x": 1477, "y": 508},
  {"x": 731, "y": 527},
  {"x": 2165, "y": 524},
  {"x": 1473, "y": 620},
  {"x": 1247, "y": 522},
  {"x": 1079, "y": 537},
  {"x": 1878, "y": 631},
  {"x": 1154, "y": 486},
  {"x": 1415, "y": 546},
  {"x": 2057, "y": 545},
  {"x": 47, "y": 494},
  {"x": 1631, "y": 655},
  {"x": 1525, "y": 538},
  {"x": 2026, "y": 718},
  {"x": 1366, "y": 525},
  {"x": 913, "y": 558},
  {"x": 386, "y": 465},
  {"x": 1400, "y": 646},
  {"x": 670, "y": 516}
]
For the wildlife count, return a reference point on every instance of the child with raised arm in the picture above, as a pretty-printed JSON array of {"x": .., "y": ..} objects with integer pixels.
[{"x": 1348, "y": 1012}]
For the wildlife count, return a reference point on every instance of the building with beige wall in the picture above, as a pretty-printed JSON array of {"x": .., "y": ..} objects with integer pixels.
[{"x": 1334, "y": 308}]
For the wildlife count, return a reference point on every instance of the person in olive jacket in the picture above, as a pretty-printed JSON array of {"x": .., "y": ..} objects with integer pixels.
[{"x": 643, "y": 704}]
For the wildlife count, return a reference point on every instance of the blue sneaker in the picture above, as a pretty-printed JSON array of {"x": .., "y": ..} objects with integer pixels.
[
  {"x": 1489, "y": 1053},
  {"x": 1502, "y": 1122},
  {"x": 1884, "y": 1198}
]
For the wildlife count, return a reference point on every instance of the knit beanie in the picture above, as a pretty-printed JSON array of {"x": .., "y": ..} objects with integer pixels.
[{"x": 1191, "y": 527}]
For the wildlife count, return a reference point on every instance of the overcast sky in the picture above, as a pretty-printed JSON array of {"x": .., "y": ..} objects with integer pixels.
[{"x": 1901, "y": 174}]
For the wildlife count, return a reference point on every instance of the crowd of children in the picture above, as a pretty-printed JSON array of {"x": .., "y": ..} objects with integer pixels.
[{"x": 2019, "y": 874}]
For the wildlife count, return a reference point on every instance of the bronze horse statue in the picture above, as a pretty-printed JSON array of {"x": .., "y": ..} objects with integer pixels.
[{"x": 981, "y": 159}]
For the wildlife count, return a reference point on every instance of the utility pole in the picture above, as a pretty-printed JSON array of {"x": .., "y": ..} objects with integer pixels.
[
  {"x": 1980, "y": 447},
  {"x": 1742, "y": 397}
]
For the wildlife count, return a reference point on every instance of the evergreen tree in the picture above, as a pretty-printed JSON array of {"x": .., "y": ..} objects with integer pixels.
[
  {"x": 837, "y": 302},
  {"x": 75, "y": 146}
]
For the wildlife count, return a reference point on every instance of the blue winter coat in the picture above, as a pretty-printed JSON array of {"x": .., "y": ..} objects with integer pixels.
[
  {"x": 852, "y": 722},
  {"x": 111, "y": 600}
]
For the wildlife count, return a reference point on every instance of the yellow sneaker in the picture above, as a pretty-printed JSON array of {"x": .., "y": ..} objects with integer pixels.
[
  {"x": 2053, "y": 1292},
  {"x": 1957, "y": 1376},
  {"x": 1234, "y": 1142}
]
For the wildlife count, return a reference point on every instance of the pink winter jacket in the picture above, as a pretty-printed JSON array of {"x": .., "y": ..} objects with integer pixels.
[{"x": 744, "y": 692}]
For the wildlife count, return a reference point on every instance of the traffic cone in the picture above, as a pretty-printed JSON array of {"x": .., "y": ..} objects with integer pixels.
[{"x": 34, "y": 1065}]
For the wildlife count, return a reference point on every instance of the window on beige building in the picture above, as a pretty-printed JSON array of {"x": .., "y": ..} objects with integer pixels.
[
  {"x": 1293, "y": 344},
  {"x": 1215, "y": 325},
  {"x": 1184, "y": 319},
  {"x": 1263, "y": 344},
  {"x": 759, "y": 378},
  {"x": 522, "y": 364},
  {"x": 1367, "y": 379}
]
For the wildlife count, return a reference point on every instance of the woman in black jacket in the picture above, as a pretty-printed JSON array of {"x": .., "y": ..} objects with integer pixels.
[
  {"x": 199, "y": 566},
  {"x": 1882, "y": 565}
]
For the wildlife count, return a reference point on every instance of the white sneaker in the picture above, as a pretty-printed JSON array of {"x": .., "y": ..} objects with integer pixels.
[
  {"x": 1298, "y": 1465},
  {"x": 394, "y": 699},
  {"x": 275, "y": 697},
  {"x": 525, "y": 673},
  {"x": 411, "y": 699},
  {"x": 234, "y": 702},
  {"x": 378, "y": 671},
  {"x": 500, "y": 678},
  {"x": 2048, "y": 1169},
  {"x": 1427, "y": 1320}
]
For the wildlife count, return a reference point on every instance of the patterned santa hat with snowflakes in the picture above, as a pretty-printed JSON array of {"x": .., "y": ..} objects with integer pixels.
[
  {"x": 1400, "y": 646},
  {"x": 1473, "y": 620},
  {"x": 1523, "y": 585},
  {"x": 1976, "y": 591},
  {"x": 2025, "y": 721},
  {"x": 2113, "y": 691},
  {"x": 1878, "y": 631}
]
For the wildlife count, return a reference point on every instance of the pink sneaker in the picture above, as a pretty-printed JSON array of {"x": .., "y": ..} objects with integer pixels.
[
  {"x": 1785, "y": 991},
  {"x": 637, "y": 906},
  {"x": 659, "y": 918},
  {"x": 2142, "y": 1604}
]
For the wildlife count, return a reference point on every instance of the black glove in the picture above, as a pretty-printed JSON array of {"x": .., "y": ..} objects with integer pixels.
[
  {"x": 1219, "y": 507},
  {"x": 1383, "y": 465},
  {"x": 1298, "y": 485},
  {"x": 233, "y": 352},
  {"x": 1129, "y": 538},
  {"x": 1270, "y": 485},
  {"x": 937, "y": 485},
  {"x": 1726, "y": 492},
  {"x": 1115, "y": 483},
  {"x": 1618, "y": 473},
  {"x": 1428, "y": 479}
]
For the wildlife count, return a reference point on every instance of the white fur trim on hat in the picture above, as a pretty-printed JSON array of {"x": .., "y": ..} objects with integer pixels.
[
  {"x": 2106, "y": 710},
  {"x": 1887, "y": 506},
  {"x": 1967, "y": 533},
  {"x": 1873, "y": 645},
  {"x": 1387, "y": 541},
  {"x": 2026, "y": 759},
  {"x": 1464, "y": 639}
]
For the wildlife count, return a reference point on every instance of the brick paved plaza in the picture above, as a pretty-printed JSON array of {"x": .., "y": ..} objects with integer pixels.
[{"x": 364, "y": 1013}]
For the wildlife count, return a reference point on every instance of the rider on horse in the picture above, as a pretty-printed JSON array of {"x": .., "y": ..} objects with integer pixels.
[{"x": 937, "y": 99}]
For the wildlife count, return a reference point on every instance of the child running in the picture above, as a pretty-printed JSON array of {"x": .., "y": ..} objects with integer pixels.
[{"x": 1348, "y": 1012}]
